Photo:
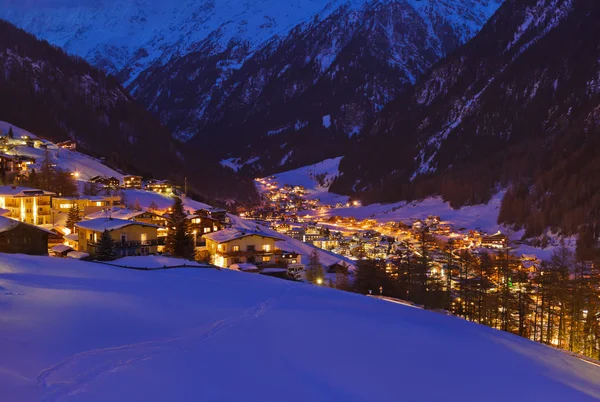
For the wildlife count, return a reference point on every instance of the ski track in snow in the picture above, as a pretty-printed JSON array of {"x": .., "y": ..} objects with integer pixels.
[{"x": 114, "y": 359}]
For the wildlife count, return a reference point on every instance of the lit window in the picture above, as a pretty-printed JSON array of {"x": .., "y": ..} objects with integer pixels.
[
  {"x": 206, "y": 230},
  {"x": 236, "y": 248},
  {"x": 220, "y": 247},
  {"x": 266, "y": 259},
  {"x": 266, "y": 247}
]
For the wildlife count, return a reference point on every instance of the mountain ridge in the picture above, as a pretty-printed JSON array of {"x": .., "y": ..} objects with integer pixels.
[{"x": 233, "y": 79}]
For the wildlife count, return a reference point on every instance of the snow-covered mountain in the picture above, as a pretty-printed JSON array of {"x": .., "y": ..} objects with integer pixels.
[
  {"x": 226, "y": 75},
  {"x": 79, "y": 331},
  {"x": 518, "y": 105},
  {"x": 61, "y": 97}
]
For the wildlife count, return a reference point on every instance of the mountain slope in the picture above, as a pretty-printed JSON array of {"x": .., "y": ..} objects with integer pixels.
[
  {"x": 60, "y": 97},
  {"x": 287, "y": 75},
  {"x": 100, "y": 333},
  {"x": 517, "y": 105}
]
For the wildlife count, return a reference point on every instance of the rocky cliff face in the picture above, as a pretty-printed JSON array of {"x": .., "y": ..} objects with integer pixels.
[{"x": 515, "y": 106}]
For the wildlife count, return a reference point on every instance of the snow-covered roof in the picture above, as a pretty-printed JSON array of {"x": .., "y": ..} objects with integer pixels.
[
  {"x": 225, "y": 235},
  {"x": 102, "y": 224},
  {"x": 244, "y": 266},
  {"x": 273, "y": 270},
  {"x": 15, "y": 191},
  {"x": 61, "y": 248},
  {"x": 116, "y": 212},
  {"x": 7, "y": 224},
  {"x": 78, "y": 255},
  {"x": 72, "y": 237}
]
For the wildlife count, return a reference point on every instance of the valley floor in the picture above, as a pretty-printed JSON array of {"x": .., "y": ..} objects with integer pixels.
[{"x": 79, "y": 331}]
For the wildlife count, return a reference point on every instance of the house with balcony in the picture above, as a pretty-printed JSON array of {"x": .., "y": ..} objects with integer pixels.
[
  {"x": 233, "y": 246},
  {"x": 160, "y": 186},
  {"x": 132, "y": 182},
  {"x": 130, "y": 237},
  {"x": 27, "y": 205},
  {"x": 87, "y": 204},
  {"x": 143, "y": 216},
  {"x": 111, "y": 182},
  {"x": 497, "y": 240},
  {"x": 218, "y": 214}
]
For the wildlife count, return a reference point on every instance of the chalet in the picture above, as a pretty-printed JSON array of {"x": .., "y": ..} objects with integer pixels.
[
  {"x": 232, "y": 246},
  {"x": 59, "y": 232},
  {"x": 132, "y": 182},
  {"x": 204, "y": 224},
  {"x": 340, "y": 266},
  {"x": 160, "y": 186},
  {"x": 87, "y": 204},
  {"x": 131, "y": 238},
  {"x": 214, "y": 213},
  {"x": 497, "y": 240},
  {"x": 7, "y": 163},
  {"x": 27, "y": 204},
  {"x": 111, "y": 182},
  {"x": 22, "y": 238},
  {"x": 22, "y": 163},
  {"x": 72, "y": 145},
  {"x": 326, "y": 244},
  {"x": 142, "y": 216}
]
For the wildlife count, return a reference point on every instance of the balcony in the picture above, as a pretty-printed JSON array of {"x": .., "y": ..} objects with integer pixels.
[
  {"x": 132, "y": 244},
  {"x": 252, "y": 253}
]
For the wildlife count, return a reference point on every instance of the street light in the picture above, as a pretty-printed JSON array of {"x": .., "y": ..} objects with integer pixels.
[{"x": 319, "y": 281}]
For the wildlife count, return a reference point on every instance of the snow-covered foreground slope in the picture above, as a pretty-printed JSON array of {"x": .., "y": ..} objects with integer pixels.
[{"x": 76, "y": 331}]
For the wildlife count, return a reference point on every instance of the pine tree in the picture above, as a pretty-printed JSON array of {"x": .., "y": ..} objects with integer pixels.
[
  {"x": 46, "y": 174},
  {"x": 153, "y": 206},
  {"x": 106, "y": 247},
  {"x": 90, "y": 188},
  {"x": 179, "y": 241},
  {"x": 137, "y": 206},
  {"x": 63, "y": 183},
  {"x": 11, "y": 134},
  {"x": 74, "y": 216},
  {"x": 33, "y": 179},
  {"x": 314, "y": 269}
]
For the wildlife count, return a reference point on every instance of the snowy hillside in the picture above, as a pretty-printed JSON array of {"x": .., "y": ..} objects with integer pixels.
[
  {"x": 76, "y": 331},
  {"x": 484, "y": 216},
  {"x": 316, "y": 179},
  {"x": 66, "y": 159}
]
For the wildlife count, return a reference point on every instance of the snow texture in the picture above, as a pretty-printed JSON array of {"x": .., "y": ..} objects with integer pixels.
[{"x": 78, "y": 331}]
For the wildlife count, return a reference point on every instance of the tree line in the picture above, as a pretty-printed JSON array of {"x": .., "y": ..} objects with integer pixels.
[{"x": 557, "y": 303}]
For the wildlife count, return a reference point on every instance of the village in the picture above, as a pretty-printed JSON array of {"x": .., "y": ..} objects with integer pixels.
[
  {"x": 38, "y": 221},
  {"x": 288, "y": 211},
  {"x": 426, "y": 262}
]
